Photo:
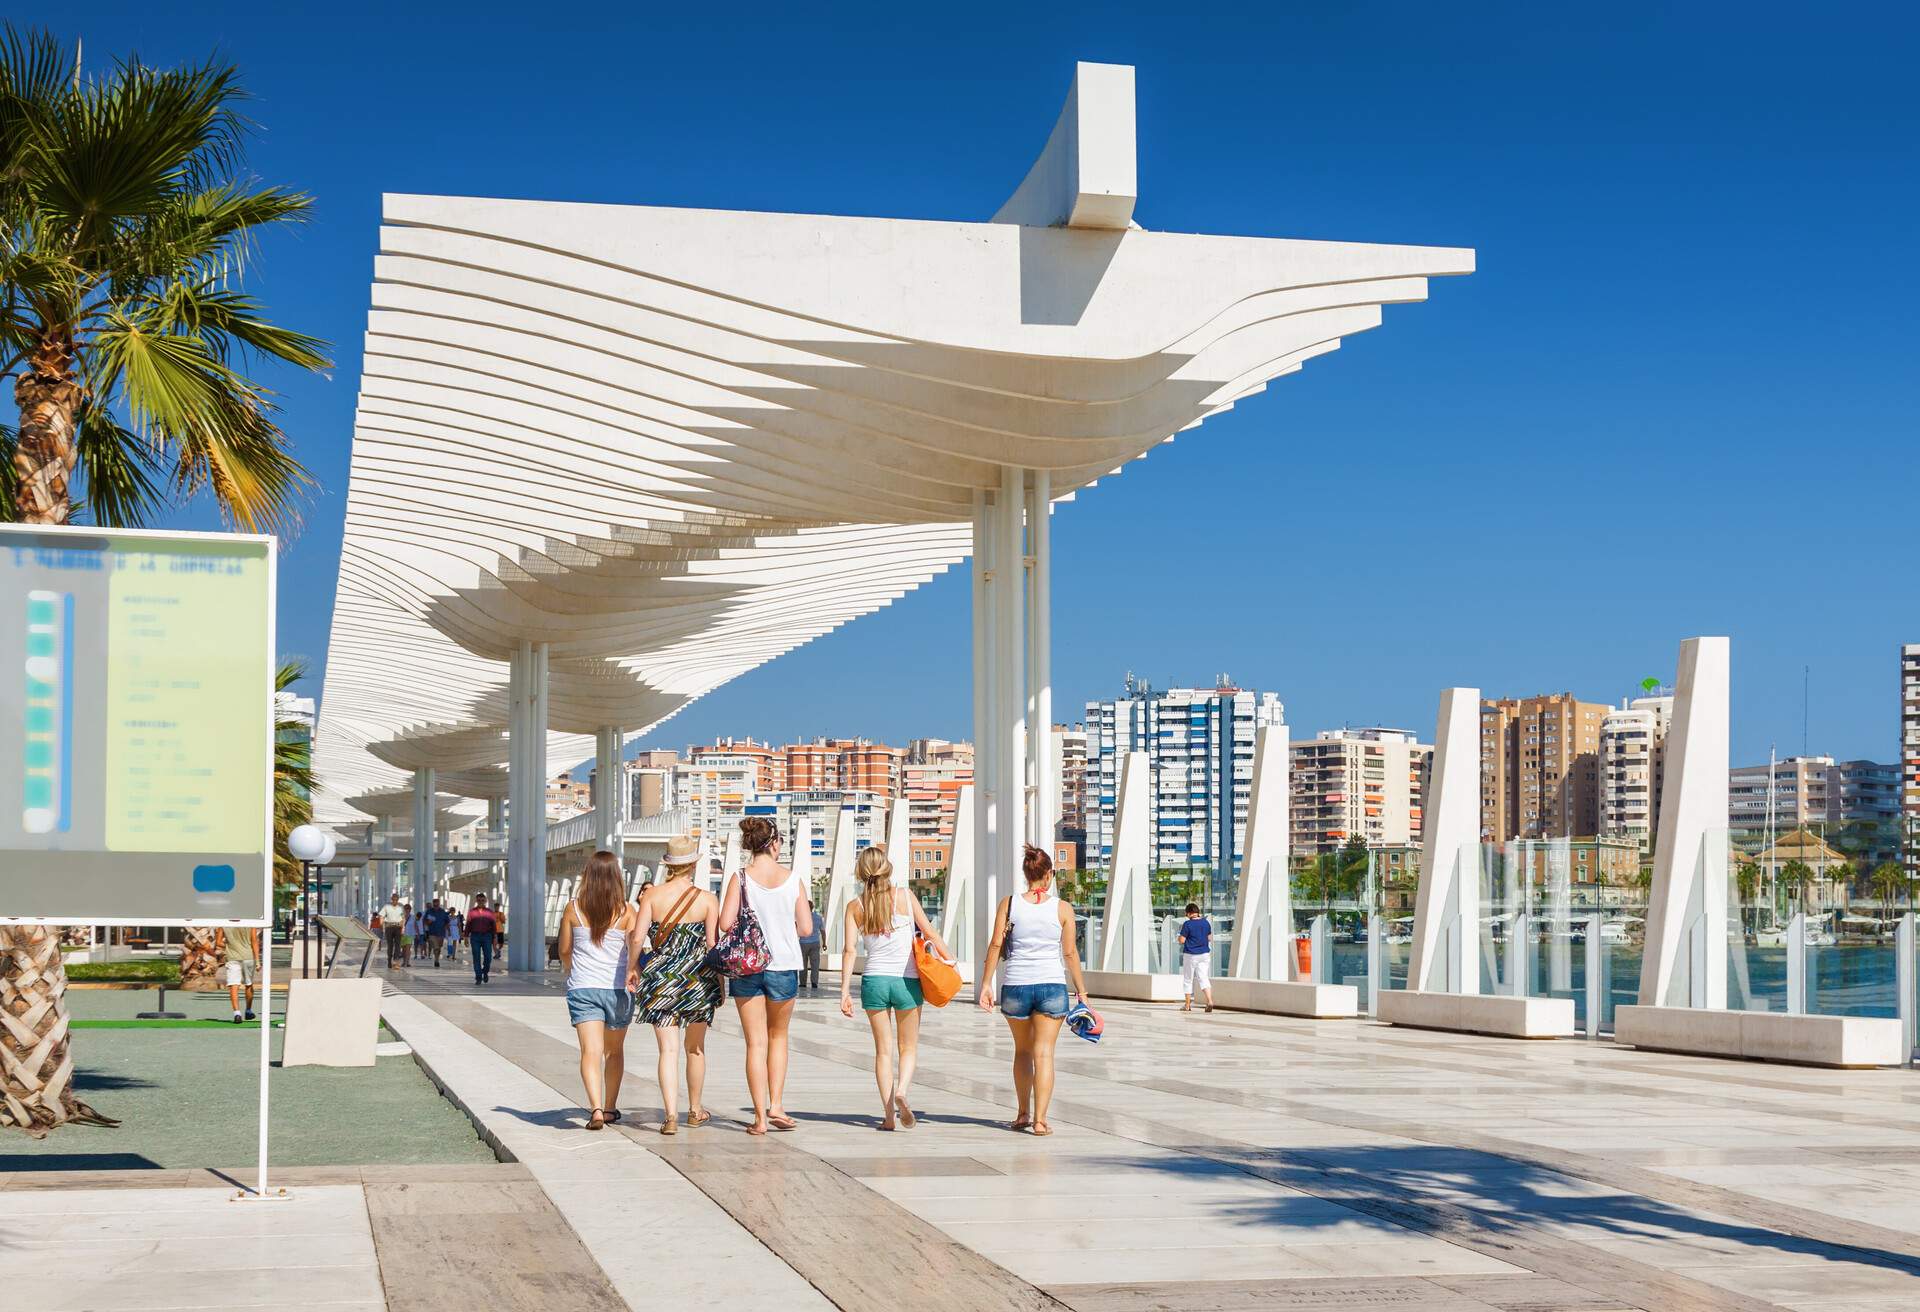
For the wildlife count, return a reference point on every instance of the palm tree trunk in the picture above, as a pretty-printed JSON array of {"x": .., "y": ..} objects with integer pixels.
[
  {"x": 36, "y": 1068},
  {"x": 200, "y": 961},
  {"x": 47, "y": 450}
]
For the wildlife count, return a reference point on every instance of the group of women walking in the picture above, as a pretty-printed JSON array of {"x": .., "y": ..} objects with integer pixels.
[{"x": 656, "y": 957}]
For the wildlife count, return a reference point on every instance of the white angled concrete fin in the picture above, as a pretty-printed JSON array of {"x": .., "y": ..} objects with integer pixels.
[
  {"x": 957, "y": 910},
  {"x": 1263, "y": 912},
  {"x": 839, "y": 880},
  {"x": 1087, "y": 174},
  {"x": 1123, "y": 942},
  {"x": 1689, "y": 863},
  {"x": 801, "y": 859},
  {"x": 899, "y": 840},
  {"x": 1449, "y": 825}
]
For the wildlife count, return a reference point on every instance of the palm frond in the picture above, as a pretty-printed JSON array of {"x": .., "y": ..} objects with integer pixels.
[
  {"x": 117, "y": 470},
  {"x": 9, "y": 477},
  {"x": 242, "y": 458},
  {"x": 222, "y": 318}
]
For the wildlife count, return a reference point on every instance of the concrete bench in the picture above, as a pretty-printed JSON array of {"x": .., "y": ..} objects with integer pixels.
[
  {"x": 1478, "y": 1013},
  {"x": 1848, "y": 1041},
  {"x": 1288, "y": 998},
  {"x": 1133, "y": 986}
]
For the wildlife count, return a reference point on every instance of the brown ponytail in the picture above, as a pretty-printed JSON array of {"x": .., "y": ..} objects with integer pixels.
[{"x": 1037, "y": 865}]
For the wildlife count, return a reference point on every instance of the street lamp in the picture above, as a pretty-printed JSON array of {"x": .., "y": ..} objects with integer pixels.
[{"x": 313, "y": 847}]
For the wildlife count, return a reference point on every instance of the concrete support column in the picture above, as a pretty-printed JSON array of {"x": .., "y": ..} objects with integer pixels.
[
  {"x": 1008, "y": 638},
  {"x": 423, "y": 818},
  {"x": 608, "y": 780},
  {"x": 982, "y": 889},
  {"x": 527, "y": 809},
  {"x": 1043, "y": 812}
]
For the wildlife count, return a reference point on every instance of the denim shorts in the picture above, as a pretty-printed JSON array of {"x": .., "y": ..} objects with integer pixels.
[
  {"x": 890, "y": 993},
  {"x": 611, "y": 1007},
  {"x": 1019, "y": 1001},
  {"x": 773, "y": 985}
]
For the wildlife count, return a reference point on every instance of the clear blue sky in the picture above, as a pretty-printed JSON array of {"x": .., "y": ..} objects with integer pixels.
[{"x": 1677, "y": 398}]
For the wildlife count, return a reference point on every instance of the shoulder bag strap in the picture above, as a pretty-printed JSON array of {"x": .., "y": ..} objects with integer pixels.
[{"x": 665, "y": 928}]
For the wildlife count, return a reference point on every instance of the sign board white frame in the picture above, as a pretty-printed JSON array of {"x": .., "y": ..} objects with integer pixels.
[{"x": 10, "y": 536}]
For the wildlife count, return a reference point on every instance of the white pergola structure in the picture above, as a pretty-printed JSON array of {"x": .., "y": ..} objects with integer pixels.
[{"x": 608, "y": 457}]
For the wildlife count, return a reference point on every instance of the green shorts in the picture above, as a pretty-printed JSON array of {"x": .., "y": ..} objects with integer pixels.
[{"x": 889, "y": 993}]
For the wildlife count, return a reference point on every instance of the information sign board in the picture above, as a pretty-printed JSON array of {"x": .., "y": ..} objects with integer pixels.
[{"x": 136, "y": 726}]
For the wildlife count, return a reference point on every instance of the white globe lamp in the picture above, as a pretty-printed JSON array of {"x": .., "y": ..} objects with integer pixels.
[
  {"x": 328, "y": 852},
  {"x": 307, "y": 842}
]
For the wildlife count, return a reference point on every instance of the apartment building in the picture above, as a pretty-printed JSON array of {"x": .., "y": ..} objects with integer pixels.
[
  {"x": 769, "y": 763},
  {"x": 1633, "y": 760},
  {"x": 1357, "y": 783},
  {"x": 931, "y": 780},
  {"x": 1199, "y": 748},
  {"x": 649, "y": 777},
  {"x": 569, "y": 793},
  {"x": 1910, "y": 754},
  {"x": 849, "y": 764},
  {"x": 821, "y": 808},
  {"x": 1797, "y": 788},
  {"x": 714, "y": 787},
  {"x": 1069, "y": 746},
  {"x": 1539, "y": 767}
]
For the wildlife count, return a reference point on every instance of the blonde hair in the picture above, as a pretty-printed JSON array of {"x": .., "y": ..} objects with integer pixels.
[{"x": 875, "y": 873}]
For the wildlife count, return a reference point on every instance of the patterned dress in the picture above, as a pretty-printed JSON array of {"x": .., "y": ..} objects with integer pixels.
[{"x": 676, "y": 988}]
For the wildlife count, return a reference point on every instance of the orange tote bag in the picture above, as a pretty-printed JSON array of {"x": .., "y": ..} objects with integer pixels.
[{"x": 939, "y": 982}]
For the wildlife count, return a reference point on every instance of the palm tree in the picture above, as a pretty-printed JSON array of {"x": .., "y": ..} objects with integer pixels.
[{"x": 126, "y": 226}]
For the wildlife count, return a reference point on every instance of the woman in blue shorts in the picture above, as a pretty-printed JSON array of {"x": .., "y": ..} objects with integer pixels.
[
  {"x": 1036, "y": 930},
  {"x": 765, "y": 999},
  {"x": 594, "y": 932}
]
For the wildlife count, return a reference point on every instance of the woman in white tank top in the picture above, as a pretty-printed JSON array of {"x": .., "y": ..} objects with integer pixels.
[
  {"x": 595, "y": 931},
  {"x": 881, "y": 922},
  {"x": 1034, "y": 935},
  {"x": 765, "y": 1000}
]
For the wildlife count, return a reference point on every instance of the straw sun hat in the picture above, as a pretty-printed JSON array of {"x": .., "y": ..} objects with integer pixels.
[{"x": 682, "y": 852}]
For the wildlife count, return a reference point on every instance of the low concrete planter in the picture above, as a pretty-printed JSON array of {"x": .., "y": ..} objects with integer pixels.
[
  {"x": 1133, "y": 986},
  {"x": 1855, "y": 1041},
  {"x": 1287, "y": 998},
  {"x": 1478, "y": 1013}
]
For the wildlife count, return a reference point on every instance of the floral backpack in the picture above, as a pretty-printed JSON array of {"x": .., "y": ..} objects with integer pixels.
[{"x": 742, "y": 950}]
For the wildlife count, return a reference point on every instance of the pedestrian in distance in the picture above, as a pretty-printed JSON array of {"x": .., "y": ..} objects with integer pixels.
[
  {"x": 482, "y": 926},
  {"x": 882, "y": 921},
  {"x": 243, "y": 958},
  {"x": 419, "y": 920},
  {"x": 409, "y": 932},
  {"x": 436, "y": 927},
  {"x": 596, "y": 930},
  {"x": 393, "y": 925},
  {"x": 764, "y": 999},
  {"x": 810, "y": 945},
  {"x": 455, "y": 927},
  {"x": 677, "y": 992},
  {"x": 1196, "y": 956},
  {"x": 1034, "y": 929}
]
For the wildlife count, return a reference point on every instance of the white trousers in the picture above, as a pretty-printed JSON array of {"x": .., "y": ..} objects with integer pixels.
[{"x": 1195, "y": 970}]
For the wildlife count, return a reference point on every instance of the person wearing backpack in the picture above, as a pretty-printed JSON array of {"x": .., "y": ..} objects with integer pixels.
[
  {"x": 881, "y": 924},
  {"x": 769, "y": 897},
  {"x": 679, "y": 923}
]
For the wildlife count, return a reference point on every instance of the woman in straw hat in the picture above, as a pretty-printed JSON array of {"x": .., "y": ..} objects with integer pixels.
[{"x": 679, "y": 922}]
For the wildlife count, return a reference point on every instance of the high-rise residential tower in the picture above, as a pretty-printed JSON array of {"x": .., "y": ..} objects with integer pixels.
[
  {"x": 1539, "y": 767},
  {"x": 1633, "y": 757},
  {"x": 1357, "y": 783},
  {"x": 1199, "y": 747},
  {"x": 1910, "y": 754}
]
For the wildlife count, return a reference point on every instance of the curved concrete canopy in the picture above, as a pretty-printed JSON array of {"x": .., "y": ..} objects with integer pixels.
[{"x": 673, "y": 444}]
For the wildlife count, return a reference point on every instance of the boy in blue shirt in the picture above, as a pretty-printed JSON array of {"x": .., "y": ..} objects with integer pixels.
[{"x": 1196, "y": 956}]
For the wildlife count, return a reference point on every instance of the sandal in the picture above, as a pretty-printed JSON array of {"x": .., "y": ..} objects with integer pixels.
[
  {"x": 596, "y": 1119},
  {"x": 907, "y": 1119},
  {"x": 783, "y": 1123},
  {"x": 1021, "y": 1123},
  {"x": 756, "y": 1130},
  {"x": 697, "y": 1119},
  {"x": 670, "y": 1126},
  {"x": 1041, "y": 1130},
  {"x": 613, "y": 1115}
]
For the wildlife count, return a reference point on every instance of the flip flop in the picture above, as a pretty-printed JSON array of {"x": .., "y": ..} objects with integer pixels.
[
  {"x": 1041, "y": 1130},
  {"x": 1023, "y": 1123},
  {"x": 756, "y": 1130},
  {"x": 783, "y": 1123},
  {"x": 907, "y": 1119}
]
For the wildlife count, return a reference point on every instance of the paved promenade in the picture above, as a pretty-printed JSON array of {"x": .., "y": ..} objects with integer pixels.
[{"x": 1200, "y": 1162}]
